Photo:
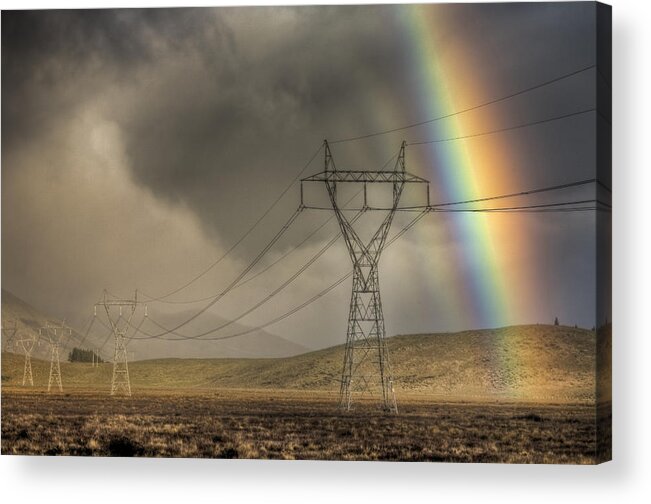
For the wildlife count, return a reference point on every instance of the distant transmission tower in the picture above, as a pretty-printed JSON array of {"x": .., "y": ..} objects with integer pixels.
[
  {"x": 120, "y": 325},
  {"x": 54, "y": 333},
  {"x": 366, "y": 367},
  {"x": 8, "y": 333},
  {"x": 27, "y": 344}
]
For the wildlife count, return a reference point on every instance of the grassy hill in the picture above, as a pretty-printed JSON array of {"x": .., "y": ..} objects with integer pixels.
[
  {"x": 533, "y": 363},
  {"x": 258, "y": 343},
  {"x": 28, "y": 321}
]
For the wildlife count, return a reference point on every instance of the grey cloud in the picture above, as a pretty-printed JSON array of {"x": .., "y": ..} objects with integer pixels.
[{"x": 212, "y": 111}]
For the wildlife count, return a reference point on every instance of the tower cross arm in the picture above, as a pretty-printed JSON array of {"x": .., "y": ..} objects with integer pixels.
[
  {"x": 367, "y": 176},
  {"x": 118, "y": 302}
]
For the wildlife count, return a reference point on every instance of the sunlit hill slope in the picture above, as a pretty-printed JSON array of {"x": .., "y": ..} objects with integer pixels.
[{"x": 522, "y": 363}]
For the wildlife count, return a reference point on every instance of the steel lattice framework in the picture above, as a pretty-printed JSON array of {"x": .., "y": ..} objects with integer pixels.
[
  {"x": 120, "y": 324},
  {"x": 366, "y": 367},
  {"x": 27, "y": 344},
  {"x": 54, "y": 334},
  {"x": 8, "y": 333}
]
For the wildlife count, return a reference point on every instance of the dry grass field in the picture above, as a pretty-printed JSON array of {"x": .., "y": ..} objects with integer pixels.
[
  {"x": 518, "y": 394},
  {"x": 533, "y": 363},
  {"x": 273, "y": 424}
]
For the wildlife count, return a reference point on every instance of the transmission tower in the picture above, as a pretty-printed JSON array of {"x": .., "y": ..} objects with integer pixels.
[
  {"x": 366, "y": 367},
  {"x": 54, "y": 333},
  {"x": 27, "y": 344},
  {"x": 120, "y": 325},
  {"x": 8, "y": 333}
]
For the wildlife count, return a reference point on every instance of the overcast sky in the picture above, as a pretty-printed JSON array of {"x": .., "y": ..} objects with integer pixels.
[{"x": 139, "y": 145}]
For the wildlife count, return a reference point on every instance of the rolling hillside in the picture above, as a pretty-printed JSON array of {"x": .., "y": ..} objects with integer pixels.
[
  {"x": 256, "y": 344},
  {"x": 535, "y": 362},
  {"x": 28, "y": 321}
]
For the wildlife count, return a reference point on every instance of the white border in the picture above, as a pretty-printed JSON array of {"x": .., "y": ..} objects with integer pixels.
[{"x": 627, "y": 479}]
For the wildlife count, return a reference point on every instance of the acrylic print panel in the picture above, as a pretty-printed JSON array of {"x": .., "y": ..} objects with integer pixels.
[{"x": 341, "y": 232}]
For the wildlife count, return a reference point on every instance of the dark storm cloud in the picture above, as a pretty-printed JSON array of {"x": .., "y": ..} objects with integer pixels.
[
  {"x": 256, "y": 114},
  {"x": 52, "y": 60},
  {"x": 209, "y": 113},
  {"x": 218, "y": 96},
  {"x": 221, "y": 95}
]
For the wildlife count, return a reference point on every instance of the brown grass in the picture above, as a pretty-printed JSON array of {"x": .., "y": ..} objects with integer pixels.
[
  {"x": 291, "y": 425},
  {"x": 534, "y": 363}
]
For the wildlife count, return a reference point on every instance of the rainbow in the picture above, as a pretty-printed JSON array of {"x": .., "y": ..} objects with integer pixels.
[
  {"x": 481, "y": 284},
  {"x": 483, "y": 269},
  {"x": 485, "y": 261},
  {"x": 448, "y": 80}
]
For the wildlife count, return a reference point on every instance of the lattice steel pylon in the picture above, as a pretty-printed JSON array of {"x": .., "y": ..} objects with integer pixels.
[
  {"x": 120, "y": 383},
  {"x": 8, "y": 333},
  {"x": 27, "y": 344},
  {"x": 54, "y": 334},
  {"x": 366, "y": 367}
]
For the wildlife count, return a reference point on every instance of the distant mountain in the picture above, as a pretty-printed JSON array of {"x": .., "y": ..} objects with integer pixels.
[
  {"x": 28, "y": 320},
  {"x": 256, "y": 344},
  {"x": 521, "y": 363}
]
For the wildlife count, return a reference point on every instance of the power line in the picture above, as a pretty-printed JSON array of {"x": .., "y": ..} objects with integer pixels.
[
  {"x": 101, "y": 347},
  {"x": 286, "y": 283},
  {"x": 239, "y": 283},
  {"x": 87, "y": 331},
  {"x": 519, "y": 209},
  {"x": 111, "y": 330},
  {"x": 479, "y": 200},
  {"x": 242, "y": 238},
  {"x": 334, "y": 285},
  {"x": 342, "y": 279},
  {"x": 423, "y": 211},
  {"x": 497, "y": 209},
  {"x": 522, "y": 207},
  {"x": 198, "y": 300},
  {"x": 74, "y": 335},
  {"x": 262, "y": 271},
  {"x": 90, "y": 321},
  {"x": 309, "y": 301},
  {"x": 502, "y": 130},
  {"x": 270, "y": 296},
  {"x": 271, "y": 265},
  {"x": 106, "y": 340},
  {"x": 241, "y": 275},
  {"x": 120, "y": 381},
  {"x": 481, "y": 105},
  {"x": 324, "y": 291},
  {"x": 519, "y": 193}
]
